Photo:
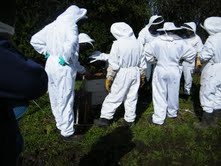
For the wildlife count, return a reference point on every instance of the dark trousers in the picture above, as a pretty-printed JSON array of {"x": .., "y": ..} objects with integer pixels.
[{"x": 11, "y": 141}]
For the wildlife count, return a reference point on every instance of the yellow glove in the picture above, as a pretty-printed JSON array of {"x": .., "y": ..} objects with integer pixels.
[
  {"x": 108, "y": 84},
  {"x": 142, "y": 80},
  {"x": 198, "y": 63}
]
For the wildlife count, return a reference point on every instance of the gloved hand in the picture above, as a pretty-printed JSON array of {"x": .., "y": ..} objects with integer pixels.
[
  {"x": 142, "y": 80},
  {"x": 142, "y": 77},
  {"x": 46, "y": 55},
  {"x": 98, "y": 56},
  {"x": 198, "y": 63},
  {"x": 108, "y": 84},
  {"x": 95, "y": 56},
  {"x": 62, "y": 61}
]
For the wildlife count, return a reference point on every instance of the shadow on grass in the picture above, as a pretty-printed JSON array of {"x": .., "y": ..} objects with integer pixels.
[
  {"x": 109, "y": 149},
  {"x": 194, "y": 97},
  {"x": 196, "y": 100},
  {"x": 144, "y": 99}
]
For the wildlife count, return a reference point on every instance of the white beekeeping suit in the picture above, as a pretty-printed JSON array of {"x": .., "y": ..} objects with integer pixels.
[
  {"x": 194, "y": 40},
  {"x": 59, "y": 39},
  {"x": 168, "y": 50},
  {"x": 125, "y": 61},
  {"x": 147, "y": 34},
  {"x": 210, "y": 91}
]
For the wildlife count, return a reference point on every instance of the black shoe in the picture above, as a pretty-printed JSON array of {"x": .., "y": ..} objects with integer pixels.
[
  {"x": 72, "y": 138},
  {"x": 150, "y": 121},
  {"x": 185, "y": 96},
  {"x": 127, "y": 124},
  {"x": 102, "y": 122},
  {"x": 57, "y": 130},
  {"x": 217, "y": 114},
  {"x": 173, "y": 118},
  {"x": 208, "y": 120}
]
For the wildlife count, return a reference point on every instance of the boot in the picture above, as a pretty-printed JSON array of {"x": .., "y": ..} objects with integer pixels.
[
  {"x": 150, "y": 121},
  {"x": 208, "y": 120},
  {"x": 127, "y": 124},
  {"x": 102, "y": 122},
  {"x": 217, "y": 115},
  {"x": 72, "y": 138}
]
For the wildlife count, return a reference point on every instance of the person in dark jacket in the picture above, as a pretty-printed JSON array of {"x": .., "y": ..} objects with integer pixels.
[{"x": 21, "y": 80}]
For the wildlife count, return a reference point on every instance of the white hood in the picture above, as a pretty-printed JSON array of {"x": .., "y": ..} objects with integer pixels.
[
  {"x": 72, "y": 14},
  {"x": 212, "y": 25},
  {"x": 169, "y": 36},
  {"x": 152, "y": 21},
  {"x": 189, "y": 26},
  {"x": 122, "y": 30},
  {"x": 169, "y": 26},
  {"x": 153, "y": 18}
]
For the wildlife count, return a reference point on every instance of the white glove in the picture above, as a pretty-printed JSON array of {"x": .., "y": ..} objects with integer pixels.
[
  {"x": 98, "y": 56},
  {"x": 95, "y": 56}
]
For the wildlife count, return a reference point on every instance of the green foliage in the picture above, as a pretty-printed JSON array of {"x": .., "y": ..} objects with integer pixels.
[
  {"x": 33, "y": 16},
  {"x": 181, "y": 11},
  {"x": 184, "y": 11}
]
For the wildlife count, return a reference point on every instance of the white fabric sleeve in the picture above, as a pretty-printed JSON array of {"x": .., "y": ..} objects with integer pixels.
[
  {"x": 110, "y": 73},
  {"x": 80, "y": 69},
  {"x": 104, "y": 56},
  {"x": 142, "y": 64},
  {"x": 98, "y": 56},
  {"x": 199, "y": 45},
  {"x": 207, "y": 52},
  {"x": 189, "y": 53},
  {"x": 148, "y": 53},
  {"x": 114, "y": 57},
  {"x": 71, "y": 44},
  {"x": 141, "y": 36},
  {"x": 38, "y": 41}
]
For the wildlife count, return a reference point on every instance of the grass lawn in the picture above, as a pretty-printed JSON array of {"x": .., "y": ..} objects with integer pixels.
[{"x": 176, "y": 143}]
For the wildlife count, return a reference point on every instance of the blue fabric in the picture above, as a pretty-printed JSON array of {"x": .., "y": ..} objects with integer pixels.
[
  {"x": 20, "y": 78},
  {"x": 19, "y": 143},
  {"x": 9, "y": 150},
  {"x": 19, "y": 111}
]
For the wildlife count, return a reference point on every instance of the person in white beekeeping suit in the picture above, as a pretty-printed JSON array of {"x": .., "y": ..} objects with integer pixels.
[
  {"x": 59, "y": 42},
  {"x": 123, "y": 75},
  {"x": 210, "y": 90},
  {"x": 85, "y": 43},
  {"x": 147, "y": 34},
  {"x": 84, "y": 39},
  {"x": 195, "y": 41},
  {"x": 167, "y": 49}
]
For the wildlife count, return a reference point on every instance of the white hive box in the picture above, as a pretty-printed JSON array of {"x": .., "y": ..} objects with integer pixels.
[{"x": 97, "y": 89}]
